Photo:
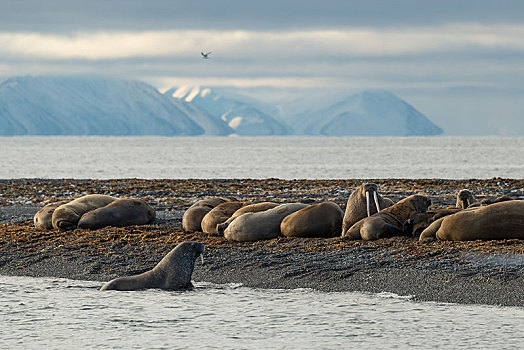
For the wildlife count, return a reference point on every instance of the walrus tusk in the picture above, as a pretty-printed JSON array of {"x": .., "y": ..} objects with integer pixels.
[
  {"x": 376, "y": 201},
  {"x": 202, "y": 258},
  {"x": 367, "y": 203}
]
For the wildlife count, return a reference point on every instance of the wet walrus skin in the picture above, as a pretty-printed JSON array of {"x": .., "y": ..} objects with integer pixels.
[
  {"x": 66, "y": 216},
  {"x": 119, "y": 213},
  {"x": 173, "y": 272}
]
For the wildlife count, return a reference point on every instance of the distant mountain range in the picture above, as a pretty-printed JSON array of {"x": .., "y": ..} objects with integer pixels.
[
  {"x": 98, "y": 106},
  {"x": 244, "y": 118}
]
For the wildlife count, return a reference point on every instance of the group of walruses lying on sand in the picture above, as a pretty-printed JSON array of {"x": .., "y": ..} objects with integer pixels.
[
  {"x": 94, "y": 211},
  {"x": 368, "y": 216}
]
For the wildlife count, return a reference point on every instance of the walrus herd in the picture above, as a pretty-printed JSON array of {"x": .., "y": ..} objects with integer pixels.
[{"x": 367, "y": 216}]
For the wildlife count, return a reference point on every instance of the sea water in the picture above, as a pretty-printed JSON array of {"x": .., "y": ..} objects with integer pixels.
[
  {"x": 56, "y": 313},
  {"x": 64, "y": 314},
  {"x": 290, "y": 157}
]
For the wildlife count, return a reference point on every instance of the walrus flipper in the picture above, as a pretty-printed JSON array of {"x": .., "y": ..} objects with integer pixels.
[{"x": 389, "y": 230}]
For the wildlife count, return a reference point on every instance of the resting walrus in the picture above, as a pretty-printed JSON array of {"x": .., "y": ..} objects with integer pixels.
[
  {"x": 219, "y": 214},
  {"x": 419, "y": 221},
  {"x": 388, "y": 222},
  {"x": 502, "y": 220},
  {"x": 317, "y": 220},
  {"x": 119, "y": 213},
  {"x": 252, "y": 208},
  {"x": 261, "y": 225},
  {"x": 464, "y": 199},
  {"x": 360, "y": 206},
  {"x": 192, "y": 218},
  {"x": 173, "y": 272},
  {"x": 43, "y": 217},
  {"x": 66, "y": 216}
]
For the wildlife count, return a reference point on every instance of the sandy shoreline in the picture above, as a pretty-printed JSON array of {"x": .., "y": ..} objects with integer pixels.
[{"x": 462, "y": 272}]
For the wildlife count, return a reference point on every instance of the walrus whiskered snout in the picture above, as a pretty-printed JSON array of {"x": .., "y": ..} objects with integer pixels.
[{"x": 199, "y": 250}]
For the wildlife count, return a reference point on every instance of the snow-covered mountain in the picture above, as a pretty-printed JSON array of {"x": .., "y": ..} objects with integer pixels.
[
  {"x": 97, "y": 106},
  {"x": 373, "y": 113},
  {"x": 240, "y": 114},
  {"x": 310, "y": 111}
]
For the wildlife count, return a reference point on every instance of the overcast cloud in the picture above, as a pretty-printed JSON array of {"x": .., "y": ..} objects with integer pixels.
[{"x": 458, "y": 62}]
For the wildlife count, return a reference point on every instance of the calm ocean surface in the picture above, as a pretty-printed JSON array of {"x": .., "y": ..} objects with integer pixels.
[
  {"x": 44, "y": 313},
  {"x": 65, "y": 314},
  {"x": 261, "y": 157}
]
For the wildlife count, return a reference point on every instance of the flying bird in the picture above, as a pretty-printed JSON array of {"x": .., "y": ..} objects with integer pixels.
[{"x": 204, "y": 55}]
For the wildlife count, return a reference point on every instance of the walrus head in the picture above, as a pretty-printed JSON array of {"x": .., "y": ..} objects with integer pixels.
[
  {"x": 371, "y": 190},
  {"x": 421, "y": 203},
  {"x": 65, "y": 219},
  {"x": 464, "y": 199},
  {"x": 43, "y": 218}
]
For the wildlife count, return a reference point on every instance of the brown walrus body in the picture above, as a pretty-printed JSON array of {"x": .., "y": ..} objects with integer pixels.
[
  {"x": 317, "y": 220},
  {"x": 363, "y": 202},
  {"x": 119, "y": 213},
  {"x": 173, "y": 272},
  {"x": 388, "y": 222},
  {"x": 219, "y": 214},
  {"x": 488, "y": 201},
  {"x": 261, "y": 225},
  {"x": 43, "y": 218},
  {"x": 252, "y": 208},
  {"x": 420, "y": 221},
  {"x": 503, "y": 220},
  {"x": 66, "y": 216},
  {"x": 192, "y": 218}
]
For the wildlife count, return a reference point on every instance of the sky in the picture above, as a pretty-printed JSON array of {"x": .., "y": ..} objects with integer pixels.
[{"x": 461, "y": 63}]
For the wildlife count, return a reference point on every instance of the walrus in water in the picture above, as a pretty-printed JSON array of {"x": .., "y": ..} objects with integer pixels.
[
  {"x": 503, "y": 220},
  {"x": 219, "y": 214},
  {"x": 66, "y": 216},
  {"x": 388, "y": 222},
  {"x": 43, "y": 217},
  {"x": 119, "y": 213},
  {"x": 192, "y": 218},
  {"x": 252, "y": 208},
  {"x": 173, "y": 272},
  {"x": 317, "y": 220},
  {"x": 360, "y": 206},
  {"x": 261, "y": 225}
]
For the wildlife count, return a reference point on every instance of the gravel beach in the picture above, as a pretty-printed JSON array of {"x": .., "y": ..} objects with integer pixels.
[{"x": 477, "y": 272}]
